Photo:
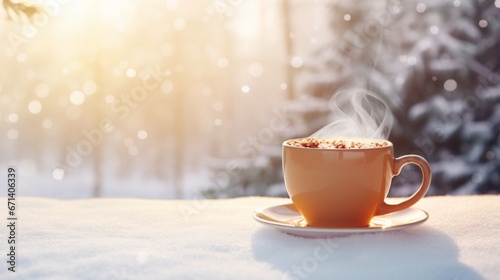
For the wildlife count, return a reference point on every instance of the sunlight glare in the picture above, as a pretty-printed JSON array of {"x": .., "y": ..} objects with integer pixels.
[
  {"x": 113, "y": 10},
  {"x": 172, "y": 5},
  {"x": 246, "y": 23}
]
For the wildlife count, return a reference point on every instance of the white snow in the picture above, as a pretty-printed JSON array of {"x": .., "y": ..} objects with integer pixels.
[{"x": 218, "y": 239}]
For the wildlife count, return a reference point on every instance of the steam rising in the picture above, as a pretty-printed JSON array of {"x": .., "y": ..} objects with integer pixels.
[{"x": 358, "y": 113}]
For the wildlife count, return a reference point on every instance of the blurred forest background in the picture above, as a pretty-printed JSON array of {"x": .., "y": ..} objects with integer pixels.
[{"x": 182, "y": 99}]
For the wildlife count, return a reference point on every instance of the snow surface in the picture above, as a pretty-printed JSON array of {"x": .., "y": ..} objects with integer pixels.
[{"x": 118, "y": 238}]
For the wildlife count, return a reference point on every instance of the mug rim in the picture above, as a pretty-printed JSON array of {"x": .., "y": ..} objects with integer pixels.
[{"x": 389, "y": 144}]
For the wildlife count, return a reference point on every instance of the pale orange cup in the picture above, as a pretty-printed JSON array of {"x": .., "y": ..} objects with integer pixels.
[{"x": 346, "y": 187}]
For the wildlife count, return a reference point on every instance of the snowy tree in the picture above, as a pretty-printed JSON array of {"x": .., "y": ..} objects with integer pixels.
[{"x": 437, "y": 65}]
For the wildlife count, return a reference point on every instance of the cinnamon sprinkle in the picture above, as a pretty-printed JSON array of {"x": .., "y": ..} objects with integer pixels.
[{"x": 311, "y": 142}]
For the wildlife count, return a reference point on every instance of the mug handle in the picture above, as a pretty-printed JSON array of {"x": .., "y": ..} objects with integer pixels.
[{"x": 424, "y": 186}]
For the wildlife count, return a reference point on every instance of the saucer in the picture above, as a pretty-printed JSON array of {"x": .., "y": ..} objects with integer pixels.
[{"x": 286, "y": 218}]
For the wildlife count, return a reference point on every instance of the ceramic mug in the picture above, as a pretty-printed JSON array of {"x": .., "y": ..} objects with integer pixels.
[{"x": 346, "y": 187}]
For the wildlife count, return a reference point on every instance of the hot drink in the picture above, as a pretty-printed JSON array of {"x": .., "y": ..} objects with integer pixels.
[
  {"x": 337, "y": 143},
  {"x": 343, "y": 182}
]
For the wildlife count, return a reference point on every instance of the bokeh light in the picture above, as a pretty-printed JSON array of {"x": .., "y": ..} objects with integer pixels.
[
  {"x": 450, "y": 85},
  {"x": 13, "y": 117},
  {"x": 421, "y": 7},
  {"x": 35, "y": 107},
  {"x": 77, "y": 97},
  {"x": 142, "y": 134},
  {"x": 483, "y": 23},
  {"x": 434, "y": 29},
  {"x": 296, "y": 62}
]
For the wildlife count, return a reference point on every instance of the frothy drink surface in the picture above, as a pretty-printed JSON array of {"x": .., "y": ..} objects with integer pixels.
[{"x": 325, "y": 143}]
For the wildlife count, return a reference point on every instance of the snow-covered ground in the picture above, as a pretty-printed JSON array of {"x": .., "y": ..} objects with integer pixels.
[{"x": 125, "y": 239}]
